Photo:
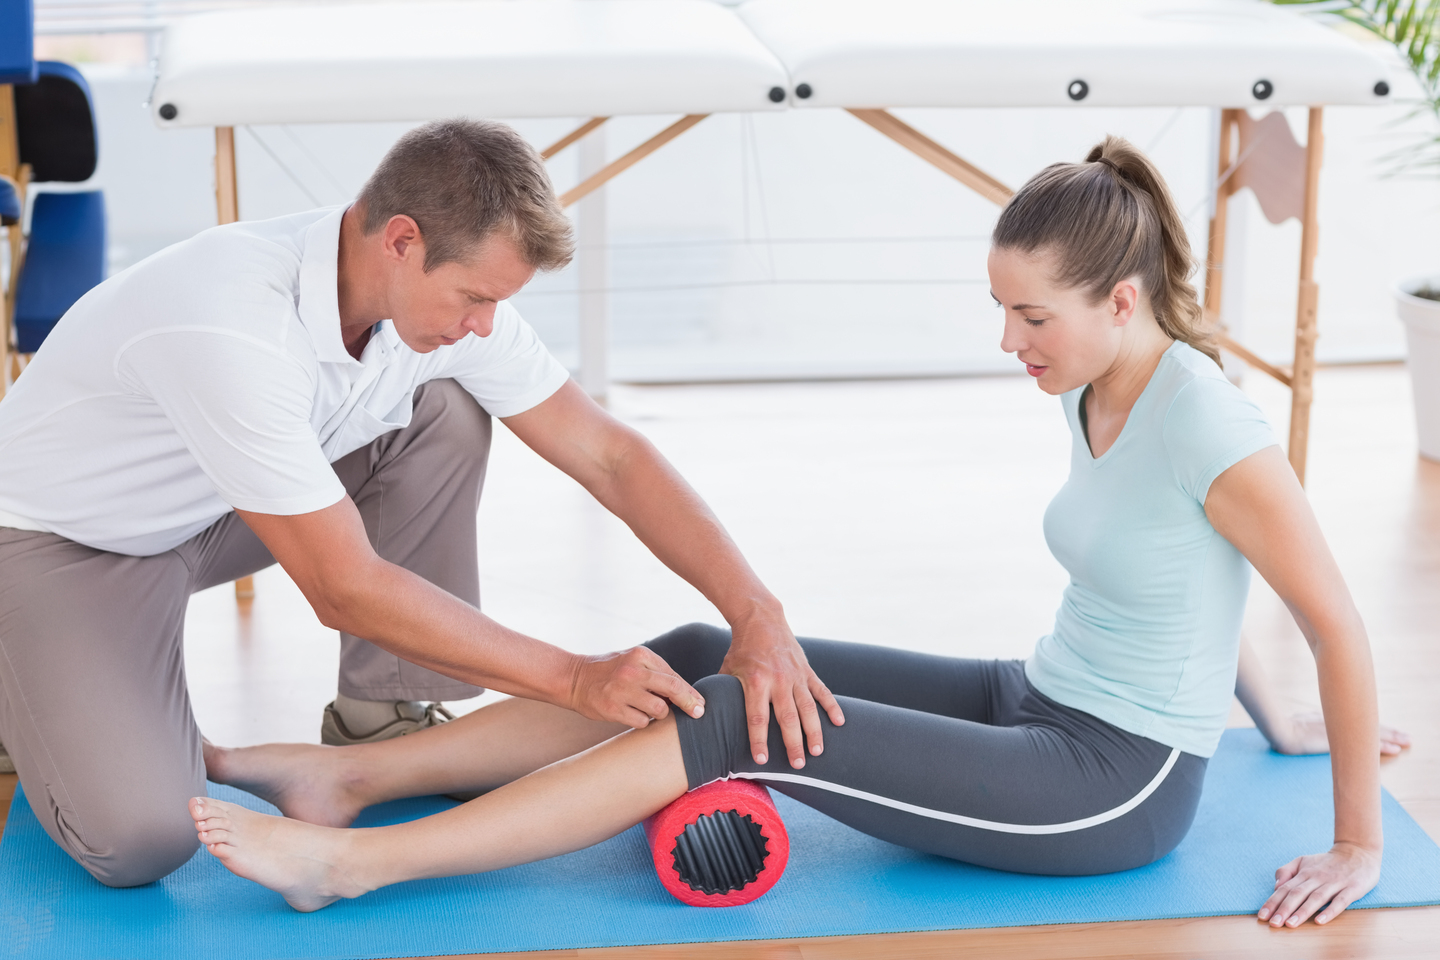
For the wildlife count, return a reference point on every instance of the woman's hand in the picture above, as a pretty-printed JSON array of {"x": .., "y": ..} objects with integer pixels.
[
  {"x": 1305, "y": 733},
  {"x": 1306, "y": 884}
]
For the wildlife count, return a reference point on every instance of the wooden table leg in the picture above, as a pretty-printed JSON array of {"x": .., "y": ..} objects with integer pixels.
[
  {"x": 1302, "y": 374},
  {"x": 10, "y": 167},
  {"x": 227, "y": 210},
  {"x": 615, "y": 167}
]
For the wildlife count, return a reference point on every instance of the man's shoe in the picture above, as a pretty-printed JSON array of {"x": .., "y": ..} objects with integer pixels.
[
  {"x": 6, "y": 764},
  {"x": 409, "y": 717}
]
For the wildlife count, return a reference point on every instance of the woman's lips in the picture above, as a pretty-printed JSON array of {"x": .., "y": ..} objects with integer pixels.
[{"x": 1033, "y": 370}]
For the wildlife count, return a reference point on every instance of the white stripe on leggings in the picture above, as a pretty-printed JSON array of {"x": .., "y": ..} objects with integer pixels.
[{"x": 1028, "y": 828}]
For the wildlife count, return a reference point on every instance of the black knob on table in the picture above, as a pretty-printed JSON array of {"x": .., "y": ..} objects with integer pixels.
[
  {"x": 803, "y": 91},
  {"x": 1262, "y": 89},
  {"x": 168, "y": 111},
  {"x": 1382, "y": 89},
  {"x": 777, "y": 94},
  {"x": 1078, "y": 89}
]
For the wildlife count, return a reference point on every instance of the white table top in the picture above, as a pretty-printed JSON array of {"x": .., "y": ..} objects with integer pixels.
[
  {"x": 1028, "y": 53},
  {"x": 479, "y": 58},
  {"x": 572, "y": 58}
]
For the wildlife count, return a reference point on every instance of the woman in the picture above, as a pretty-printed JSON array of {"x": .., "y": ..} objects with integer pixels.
[{"x": 1087, "y": 758}]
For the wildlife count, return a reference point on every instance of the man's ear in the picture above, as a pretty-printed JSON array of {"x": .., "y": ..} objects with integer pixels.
[
  {"x": 401, "y": 239},
  {"x": 1124, "y": 300}
]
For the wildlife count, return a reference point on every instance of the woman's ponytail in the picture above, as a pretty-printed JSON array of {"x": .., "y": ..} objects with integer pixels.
[{"x": 1107, "y": 219}]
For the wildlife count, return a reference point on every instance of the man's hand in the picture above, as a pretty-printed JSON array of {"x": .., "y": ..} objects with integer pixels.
[
  {"x": 766, "y": 658},
  {"x": 630, "y": 687}
]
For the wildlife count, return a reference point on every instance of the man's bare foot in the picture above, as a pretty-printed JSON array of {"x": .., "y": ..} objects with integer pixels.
[
  {"x": 307, "y": 782},
  {"x": 302, "y": 862}
]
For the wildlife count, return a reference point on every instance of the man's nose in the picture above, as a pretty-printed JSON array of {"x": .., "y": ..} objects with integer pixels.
[{"x": 480, "y": 322}]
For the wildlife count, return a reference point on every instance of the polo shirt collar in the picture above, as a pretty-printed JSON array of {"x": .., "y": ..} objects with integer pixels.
[{"x": 319, "y": 301}]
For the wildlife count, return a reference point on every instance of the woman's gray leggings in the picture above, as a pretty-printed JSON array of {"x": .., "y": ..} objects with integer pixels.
[{"x": 961, "y": 758}]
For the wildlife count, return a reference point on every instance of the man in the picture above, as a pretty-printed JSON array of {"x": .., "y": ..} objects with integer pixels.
[{"x": 317, "y": 390}]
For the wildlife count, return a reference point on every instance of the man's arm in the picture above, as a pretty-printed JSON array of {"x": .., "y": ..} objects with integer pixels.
[
  {"x": 625, "y": 472},
  {"x": 352, "y": 589}
]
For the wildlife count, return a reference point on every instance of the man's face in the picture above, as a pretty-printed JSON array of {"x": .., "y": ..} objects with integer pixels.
[{"x": 442, "y": 307}]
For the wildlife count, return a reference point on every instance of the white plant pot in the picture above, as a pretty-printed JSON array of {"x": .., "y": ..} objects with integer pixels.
[{"x": 1422, "y": 339}]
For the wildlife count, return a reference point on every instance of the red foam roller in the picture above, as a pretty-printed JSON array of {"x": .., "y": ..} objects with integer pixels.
[{"x": 706, "y": 852}]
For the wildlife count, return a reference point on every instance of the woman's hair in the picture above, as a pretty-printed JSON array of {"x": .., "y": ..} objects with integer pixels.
[
  {"x": 1107, "y": 219},
  {"x": 464, "y": 181}
]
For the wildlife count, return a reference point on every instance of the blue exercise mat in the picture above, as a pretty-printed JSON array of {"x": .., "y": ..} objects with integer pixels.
[{"x": 1259, "y": 810}]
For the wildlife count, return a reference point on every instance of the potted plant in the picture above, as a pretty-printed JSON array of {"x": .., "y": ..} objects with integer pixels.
[{"x": 1413, "y": 27}]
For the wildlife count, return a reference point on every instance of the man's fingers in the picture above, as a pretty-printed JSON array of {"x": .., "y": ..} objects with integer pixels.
[
  {"x": 826, "y": 700},
  {"x": 673, "y": 687},
  {"x": 757, "y": 714},
  {"x": 790, "y": 731},
  {"x": 810, "y": 721}
]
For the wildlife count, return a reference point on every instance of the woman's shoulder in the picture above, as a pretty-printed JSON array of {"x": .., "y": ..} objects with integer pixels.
[
  {"x": 1209, "y": 423},
  {"x": 1194, "y": 386}
]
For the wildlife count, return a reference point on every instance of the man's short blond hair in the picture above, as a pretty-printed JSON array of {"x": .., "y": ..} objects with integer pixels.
[{"x": 463, "y": 182}]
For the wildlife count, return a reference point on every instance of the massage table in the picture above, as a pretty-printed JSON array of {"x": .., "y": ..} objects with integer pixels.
[{"x": 601, "y": 58}]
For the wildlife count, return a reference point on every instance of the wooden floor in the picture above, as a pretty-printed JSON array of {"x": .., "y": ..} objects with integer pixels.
[{"x": 905, "y": 513}]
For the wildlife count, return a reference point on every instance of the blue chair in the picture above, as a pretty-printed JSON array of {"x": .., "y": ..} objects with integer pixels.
[
  {"x": 64, "y": 258},
  {"x": 11, "y": 209},
  {"x": 17, "y": 41},
  {"x": 65, "y": 251}
]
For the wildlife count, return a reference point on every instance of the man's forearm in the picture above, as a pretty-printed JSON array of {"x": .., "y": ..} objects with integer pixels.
[
  {"x": 418, "y": 622},
  {"x": 668, "y": 516}
]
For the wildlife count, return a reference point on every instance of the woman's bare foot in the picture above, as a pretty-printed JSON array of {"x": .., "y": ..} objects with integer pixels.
[
  {"x": 307, "y": 782},
  {"x": 304, "y": 863}
]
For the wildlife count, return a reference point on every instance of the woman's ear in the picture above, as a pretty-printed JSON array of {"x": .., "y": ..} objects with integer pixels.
[{"x": 1124, "y": 300}]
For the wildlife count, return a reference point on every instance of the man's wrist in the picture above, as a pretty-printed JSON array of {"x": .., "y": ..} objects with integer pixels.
[{"x": 754, "y": 610}]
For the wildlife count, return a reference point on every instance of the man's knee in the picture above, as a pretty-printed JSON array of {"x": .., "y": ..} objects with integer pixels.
[
  {"x": 449, "y": 406},
  {"x": 695, "y": 650},
  {"x": 128, "y": 847}
]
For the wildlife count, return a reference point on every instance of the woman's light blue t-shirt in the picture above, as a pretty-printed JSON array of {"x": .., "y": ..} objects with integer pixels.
[{"x": 1148, "y": 632}]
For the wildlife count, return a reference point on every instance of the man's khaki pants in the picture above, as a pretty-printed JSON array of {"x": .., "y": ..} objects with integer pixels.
[{"x": 93, "y": 703}]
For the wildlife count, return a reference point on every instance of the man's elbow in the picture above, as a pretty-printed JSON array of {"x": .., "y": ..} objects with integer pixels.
[{"x": 335, "y": 600}]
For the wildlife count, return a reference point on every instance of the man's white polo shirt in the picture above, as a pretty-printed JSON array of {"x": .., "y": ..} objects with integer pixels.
[{"x": 213, "y": 376}]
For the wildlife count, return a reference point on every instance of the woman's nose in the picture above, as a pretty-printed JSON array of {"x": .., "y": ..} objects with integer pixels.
[{"x": 1011, "y": 340}]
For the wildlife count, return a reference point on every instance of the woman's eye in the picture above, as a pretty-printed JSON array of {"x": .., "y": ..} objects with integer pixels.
[{"x": 1033, "y": 322}]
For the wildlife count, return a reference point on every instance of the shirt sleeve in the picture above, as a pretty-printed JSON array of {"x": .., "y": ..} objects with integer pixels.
[
  {"x": 242, "y": 409},
  {"x": 508, "y": 372},
  {"x": 1210, "y": 427}
]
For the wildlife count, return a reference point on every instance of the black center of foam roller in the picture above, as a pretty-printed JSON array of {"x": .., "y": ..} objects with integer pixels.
[{"x": 720, "y": 852}]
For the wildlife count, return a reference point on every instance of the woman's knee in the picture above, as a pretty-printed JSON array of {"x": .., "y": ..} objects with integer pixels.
[
  {"x": 695, "y": 650},
  {"x": 715, "y": 745}
]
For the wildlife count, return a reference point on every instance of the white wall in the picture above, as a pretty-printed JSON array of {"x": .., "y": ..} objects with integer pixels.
[{"x": 804, "y": 243}]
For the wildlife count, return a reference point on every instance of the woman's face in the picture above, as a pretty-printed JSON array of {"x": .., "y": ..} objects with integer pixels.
[{"x": 1064, "y": 340}]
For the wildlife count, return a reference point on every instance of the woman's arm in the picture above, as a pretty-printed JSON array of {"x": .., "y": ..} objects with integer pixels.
[
  {"x": 1297, "y": 733},
  {"x": 1260, "y": 508}
]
